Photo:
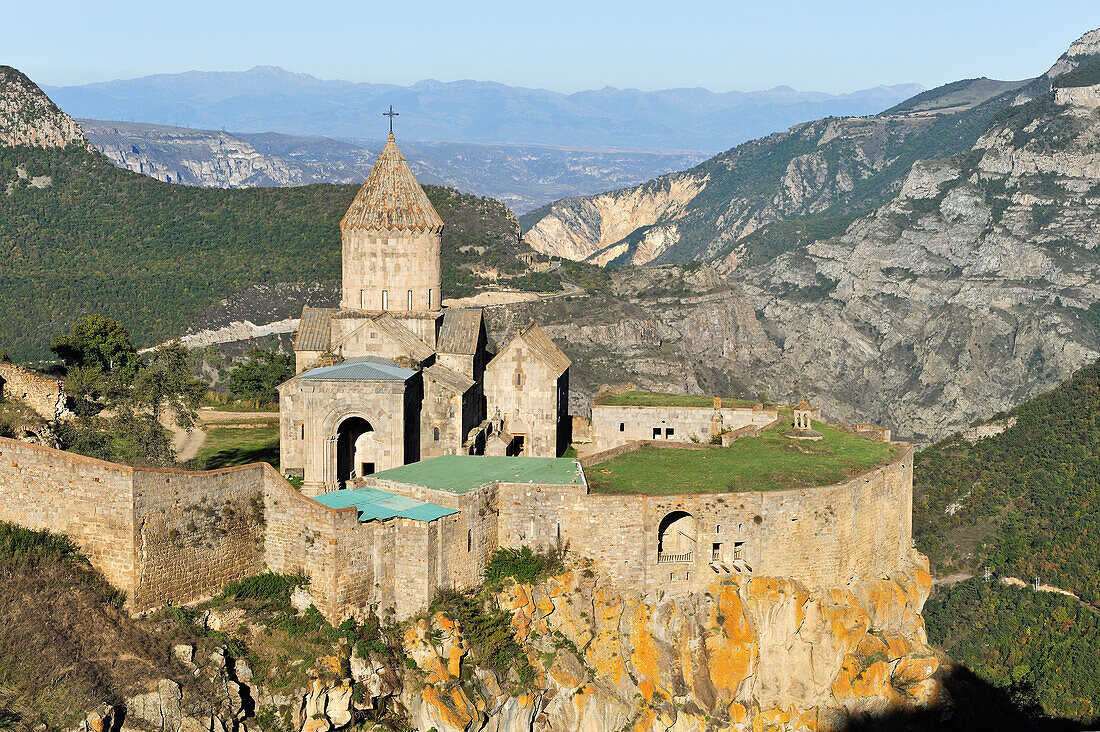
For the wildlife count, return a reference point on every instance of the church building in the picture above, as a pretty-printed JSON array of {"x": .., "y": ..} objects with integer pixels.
[{"x": 391, "y": 377}]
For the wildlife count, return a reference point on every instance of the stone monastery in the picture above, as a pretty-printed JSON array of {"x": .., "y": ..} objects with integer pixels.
[
  {"x": 421, "y": 453},
  {"x": 390, "y": 377}
]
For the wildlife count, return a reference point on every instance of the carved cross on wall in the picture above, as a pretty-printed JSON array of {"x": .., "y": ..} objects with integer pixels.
[{"x": 391, "y": 114}]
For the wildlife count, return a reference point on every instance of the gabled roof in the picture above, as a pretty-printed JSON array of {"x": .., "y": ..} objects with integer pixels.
[
  {"x": 451, "y": 379},
  {"x": 391, "y": 198},
  {"x": 374, "y": 503},
  {"x": 314, "y": 329},
  {"x": 392, "y": 328},
  {"x": 367, "y": 368},
  {"x": 460, "y": 332},
  {"x": 541, "y": 347}
]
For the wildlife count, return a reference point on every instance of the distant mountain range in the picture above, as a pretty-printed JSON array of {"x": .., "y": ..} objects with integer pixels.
[
  {"x": 522, "y": 176},
  {"x": 271, "y": 99}
]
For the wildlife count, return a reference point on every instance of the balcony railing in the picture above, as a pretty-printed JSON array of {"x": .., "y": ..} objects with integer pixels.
[{"x": 666, "y": 558}]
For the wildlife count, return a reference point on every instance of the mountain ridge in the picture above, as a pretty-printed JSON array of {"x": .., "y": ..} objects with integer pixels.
[{"x": 261, "y": 99}]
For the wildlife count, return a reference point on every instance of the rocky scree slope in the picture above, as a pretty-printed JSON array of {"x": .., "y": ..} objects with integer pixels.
[
  {"x": 28, "y": 117},
  {"x": 827, "y": 168},
  {"x": 974, "y": 289},
  {"x": 971, "y": 291}
]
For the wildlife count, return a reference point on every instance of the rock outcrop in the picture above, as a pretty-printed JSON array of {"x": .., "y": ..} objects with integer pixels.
[
  {"x": 836, "y": 165},
  {"x": 747, "y": 654},
  {"x": 28, "y": 117}
]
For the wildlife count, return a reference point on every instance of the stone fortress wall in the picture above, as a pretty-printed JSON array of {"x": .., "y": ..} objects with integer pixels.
[
  {"x": 175, "y": 536},
  {"x": 45, "y": 395},
  {"x": 822, "y": 536}
]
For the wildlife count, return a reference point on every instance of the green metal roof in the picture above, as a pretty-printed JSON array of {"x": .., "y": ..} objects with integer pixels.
[
  {"x": 464, "y": 473},
  {"x": 379, "y": 504}
]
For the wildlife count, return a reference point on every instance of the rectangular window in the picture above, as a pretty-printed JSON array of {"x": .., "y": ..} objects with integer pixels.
[
  {"x": 302, "y": 431},
  {"x": 738, "y": 551},
  {"x": 363, "y": 299},
  {"x": 669, "y": 433},
  {"x": 385, "y": 300},
  {"x": 622, "y": 426},
  {"x": 656, "y": 433},
  {"x": 410, "y": 305},
  {"x": 429, "y": 299},
  {"x": 519, "y": 379},
  {"x": 715, "y": 551}
]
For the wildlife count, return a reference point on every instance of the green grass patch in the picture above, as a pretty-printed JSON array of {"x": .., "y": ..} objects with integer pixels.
[
  {"x": 523, "y": 565},
  {"x": 659, "y": 399},
  {"x": 770, "y": 461},
  {"x": 229, "y": 446}
]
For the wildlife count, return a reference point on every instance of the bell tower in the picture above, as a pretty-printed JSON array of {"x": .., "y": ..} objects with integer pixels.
[{"x": 391, "y": 238}]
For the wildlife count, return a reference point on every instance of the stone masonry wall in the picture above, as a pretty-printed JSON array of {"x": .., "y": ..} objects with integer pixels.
[
  {"x": 613, "y": 426},
  {"x": 196, "y": 532},
  {"x": 45, "y": 395},
  {"x": 822, "y": 536},
  {"x": 392, "y": 262},
  {"x": 530, "y": 407},
  {"x": 90, "y": 501}
]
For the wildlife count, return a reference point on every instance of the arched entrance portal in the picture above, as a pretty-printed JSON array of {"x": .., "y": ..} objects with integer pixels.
[
  {"x": 354, "y": 456},
  {"x": 676, "y": 538}
]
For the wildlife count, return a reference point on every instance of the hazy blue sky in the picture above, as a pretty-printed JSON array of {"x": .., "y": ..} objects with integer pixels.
[{"x": 565, "y": 45}]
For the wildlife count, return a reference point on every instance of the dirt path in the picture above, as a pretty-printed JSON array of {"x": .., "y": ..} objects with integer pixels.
[
  {"x": 953, "y": 579},
  {"x": 187, "y": 444}
]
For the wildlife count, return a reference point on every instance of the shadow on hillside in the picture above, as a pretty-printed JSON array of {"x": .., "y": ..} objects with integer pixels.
[{"x": 976, "y": 706}]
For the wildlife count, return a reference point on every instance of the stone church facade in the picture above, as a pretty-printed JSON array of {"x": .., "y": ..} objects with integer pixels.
[{"x": 391, "y": 376}]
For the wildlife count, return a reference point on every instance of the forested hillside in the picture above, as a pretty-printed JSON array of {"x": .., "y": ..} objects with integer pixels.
[
  {"x": 1025, "y": 502},
  {"x": 79, "y": 236}
]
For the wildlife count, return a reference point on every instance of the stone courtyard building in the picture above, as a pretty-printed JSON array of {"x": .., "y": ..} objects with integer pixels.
[{"x": 391, "y": 377}]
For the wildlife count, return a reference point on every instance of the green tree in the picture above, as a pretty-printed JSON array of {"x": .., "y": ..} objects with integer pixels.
[
  {"x": 166, "y": 385},
  {"x": 99, "y": 343},
  {"x": 258, "y": 377}
]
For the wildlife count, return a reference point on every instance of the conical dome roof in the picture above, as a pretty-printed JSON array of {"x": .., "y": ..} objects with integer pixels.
[{"x": 391, "y": 198}]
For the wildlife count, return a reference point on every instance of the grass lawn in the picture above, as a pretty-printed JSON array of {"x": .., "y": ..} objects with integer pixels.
[
  {"x": 768, "y": 462},
  {"x": 225, "y": 447},
  {"x": 659, "y": 399}
]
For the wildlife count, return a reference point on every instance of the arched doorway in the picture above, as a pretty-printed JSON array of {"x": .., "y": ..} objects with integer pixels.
[
  {"x": 353, "y": 457},
  {"x": 676, "y": 538}
]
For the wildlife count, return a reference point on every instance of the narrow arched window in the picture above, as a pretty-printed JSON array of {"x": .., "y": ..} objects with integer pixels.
[
  {"x": 469, "y": 541},
  {"x": 410, "y": 303},
  {"x": 385, "y": 300},
  {"x": 435, "y": 434}
]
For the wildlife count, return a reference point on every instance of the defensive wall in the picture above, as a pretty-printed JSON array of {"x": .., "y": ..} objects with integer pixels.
[
  {"x": 823, "y": 536},
  {"x": 176, "y": 536},
  {"x": 172, "y": 536}
]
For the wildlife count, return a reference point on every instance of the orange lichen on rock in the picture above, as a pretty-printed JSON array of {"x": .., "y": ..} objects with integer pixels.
[
  {"x": 603, "y": 652},
  {"x": 644, "y": 655},
  {"x": 455, "y": 708},
  {"x": 732, "y": 653}
]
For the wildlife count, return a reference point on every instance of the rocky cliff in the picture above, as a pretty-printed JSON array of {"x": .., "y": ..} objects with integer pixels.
[
  {"x": 748, "y": 654},
  {"x": 523, "y": 176},
  {"x": 970, "y": 291},
  {"x": 835, "y": 165},
  {"x": 28, "y": 117}
]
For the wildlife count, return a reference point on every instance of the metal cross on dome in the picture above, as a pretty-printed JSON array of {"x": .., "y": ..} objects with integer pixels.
[{"x": 391, "y": 114}]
